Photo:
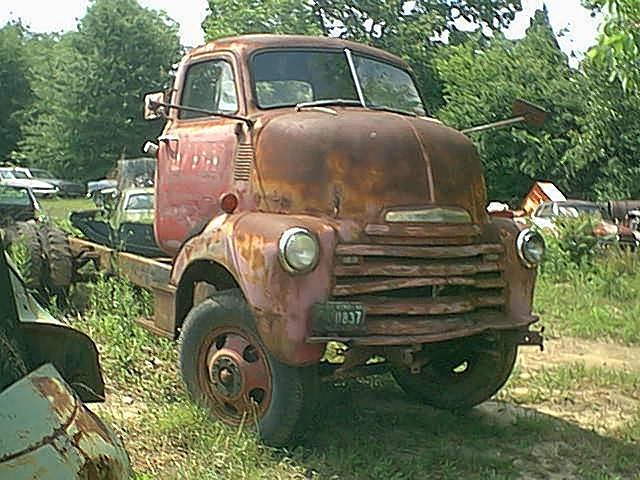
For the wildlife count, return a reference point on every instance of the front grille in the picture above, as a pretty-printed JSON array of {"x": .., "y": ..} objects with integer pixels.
[{"x": 404, "y": 287}]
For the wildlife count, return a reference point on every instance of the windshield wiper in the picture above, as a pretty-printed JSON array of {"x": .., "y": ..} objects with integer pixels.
[
  {"x": 154, "y": 104},
  {"x": 341, "y": 102}
]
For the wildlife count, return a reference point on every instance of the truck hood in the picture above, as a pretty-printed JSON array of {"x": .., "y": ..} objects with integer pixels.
[{"x": 356, "y": 163}]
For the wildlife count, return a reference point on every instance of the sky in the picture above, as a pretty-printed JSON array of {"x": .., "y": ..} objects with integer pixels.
[{"x": 578, "y": 30}]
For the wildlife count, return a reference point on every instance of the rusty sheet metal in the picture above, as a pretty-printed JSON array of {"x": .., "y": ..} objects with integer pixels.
[
  {"x": 48, "y": 433},
  {"x": 390, "y": 332},
  {"x": 247, "y": 245}
]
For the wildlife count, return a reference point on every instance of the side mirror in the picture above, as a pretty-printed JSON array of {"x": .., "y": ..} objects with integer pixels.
[
  {"x": 153, "y": 106},
  {"x": 522, "y": 111},
  {"x": 531, "y": 114}
]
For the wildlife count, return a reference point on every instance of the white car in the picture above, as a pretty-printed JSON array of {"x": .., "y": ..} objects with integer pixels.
[{"x": 13, "y": 177}]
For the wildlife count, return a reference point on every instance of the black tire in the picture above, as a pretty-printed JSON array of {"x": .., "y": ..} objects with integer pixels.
[
  {"x": 461, "y": 373},
  {"x": 27, "y": 233},
  {"x": 291, "y": 396},
  {"x": 59, "y": 258}
]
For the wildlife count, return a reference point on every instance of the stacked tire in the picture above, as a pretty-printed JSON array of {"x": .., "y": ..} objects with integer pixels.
[{"x": 49, "y": 268}]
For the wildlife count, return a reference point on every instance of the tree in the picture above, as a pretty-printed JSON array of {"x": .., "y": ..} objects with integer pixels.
[
  {"x": 618, "y": 49},
  {"x": 482, "y": 77},
  {"x": 16, "y": 92},
  {"x": 606, "y": 150},
  {"x": 413, "y": 30},
  {"x": 89, "y": 91}
]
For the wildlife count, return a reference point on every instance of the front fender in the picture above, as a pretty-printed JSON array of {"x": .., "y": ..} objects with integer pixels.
[{"x": 246, "y": 244}]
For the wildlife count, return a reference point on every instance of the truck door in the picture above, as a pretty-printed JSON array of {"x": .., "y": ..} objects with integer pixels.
[{"x": 195, "y": 161}]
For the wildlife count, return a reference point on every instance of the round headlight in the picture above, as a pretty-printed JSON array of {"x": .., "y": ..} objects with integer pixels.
[
  {"x": 299, "y": 250},
  {"x": 530, "y": 247}
]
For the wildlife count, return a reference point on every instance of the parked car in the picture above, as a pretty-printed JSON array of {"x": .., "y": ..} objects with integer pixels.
[
  {"x": 124, "y": 220},
  {"x": 47, "y": 371},
  {"x": 17, "y": 204},
  {"x": 607, "y": 231},
  {"x": 18, "y": 178},
  {"x": 547, "y": 213},
  {"x": 66, "y": 188},
  {"x": 94, "y": 187}
]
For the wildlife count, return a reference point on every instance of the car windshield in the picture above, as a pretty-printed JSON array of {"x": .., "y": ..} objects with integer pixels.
[
  {"x": 574, "y": 210},
  {"x": 291, "y": 77},
  {"x": 20, "y": 175},
  {"x": 14, "y": 196},
  {"x": 141, "y": 201},
  {"x": 6, "y": 175},
  {"x": 41, "y": 173}
]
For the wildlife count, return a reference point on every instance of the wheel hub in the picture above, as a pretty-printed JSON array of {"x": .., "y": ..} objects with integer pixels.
[
  {"x": 236, "y": 375},
  {"x": 225, "y": 376}
]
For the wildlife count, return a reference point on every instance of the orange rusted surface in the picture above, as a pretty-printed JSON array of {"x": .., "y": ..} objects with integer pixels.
[{"x": 335, "y": 171}]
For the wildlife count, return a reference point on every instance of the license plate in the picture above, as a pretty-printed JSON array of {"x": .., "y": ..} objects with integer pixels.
[{"x": 339, "y": 317}]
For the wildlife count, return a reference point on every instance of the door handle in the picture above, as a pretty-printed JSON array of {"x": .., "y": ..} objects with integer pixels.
[{"x": 168, "y": 138}]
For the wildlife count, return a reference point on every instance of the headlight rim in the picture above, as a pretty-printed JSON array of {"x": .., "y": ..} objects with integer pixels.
[
  {"x": 523, "y": 237},
  {"x": 282, "y": 245}
]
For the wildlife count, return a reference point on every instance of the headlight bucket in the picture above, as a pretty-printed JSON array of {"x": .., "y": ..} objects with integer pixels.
[
  {"x": 530, "y": 247},
  {"x": 298, "y": 250}
]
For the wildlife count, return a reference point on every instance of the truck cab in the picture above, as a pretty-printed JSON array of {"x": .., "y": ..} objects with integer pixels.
[{"x": 303, "y": 187}]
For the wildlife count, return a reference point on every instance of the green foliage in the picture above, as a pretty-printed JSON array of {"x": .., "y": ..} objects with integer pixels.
[
  {"x": 570, "y": 245},
  {"x": 482, "y": 78},
  {"x": 605, "y": 148},
  {"x": 89, "y": 87},
  {"x": 16, "y": 92},
  {"x": 412, "y": 30},
  {"x": 586, "y": 290},
  {"x": 21, "y": 257},
  {"x": 618, "y": 47}
]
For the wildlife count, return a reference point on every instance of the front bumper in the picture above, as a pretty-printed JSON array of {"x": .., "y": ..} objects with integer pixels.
[{"x": 421, "y": 329}]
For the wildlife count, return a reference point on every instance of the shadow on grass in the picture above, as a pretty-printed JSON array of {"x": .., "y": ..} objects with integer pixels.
[{"x": 367, "y": 431}]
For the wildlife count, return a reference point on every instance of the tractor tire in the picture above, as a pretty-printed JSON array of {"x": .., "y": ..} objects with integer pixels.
[
  {"x": 60, "y": 265},
  {"x": 36, "y": 272},
  {"x": 227, "y": 369}
]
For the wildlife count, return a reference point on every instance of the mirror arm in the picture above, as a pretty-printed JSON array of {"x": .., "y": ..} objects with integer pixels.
[{"x": 155, "y": 105}]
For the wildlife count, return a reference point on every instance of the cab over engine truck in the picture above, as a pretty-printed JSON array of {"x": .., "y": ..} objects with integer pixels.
[{"x": 304, "y": 196}]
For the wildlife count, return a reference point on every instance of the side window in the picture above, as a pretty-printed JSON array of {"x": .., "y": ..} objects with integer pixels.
[{"x": 210, "y": 86}]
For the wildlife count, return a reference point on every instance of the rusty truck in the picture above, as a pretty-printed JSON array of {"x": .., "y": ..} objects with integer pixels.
[{"x": 305, "y": 198}]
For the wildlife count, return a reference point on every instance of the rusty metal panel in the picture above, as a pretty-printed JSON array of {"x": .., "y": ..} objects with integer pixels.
[
  {"x": 428, "y": 306},
  {"x": 372, "y": 286},
  {"x": 48, "y": 433},
  {"x": 388, "y": 332},
  {"x": 449, "y": 251}
]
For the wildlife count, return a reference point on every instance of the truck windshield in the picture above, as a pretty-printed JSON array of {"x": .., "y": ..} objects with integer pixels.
[{"x": 291, "y": 77}]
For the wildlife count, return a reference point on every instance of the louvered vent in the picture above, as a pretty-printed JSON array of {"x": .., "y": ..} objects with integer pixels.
[{"x": 243, "y": 162}]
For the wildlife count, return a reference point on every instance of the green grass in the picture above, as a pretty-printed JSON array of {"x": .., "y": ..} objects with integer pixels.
[
  {"x": 58, "y": 209},
  {"x": 599, "y": 302}
]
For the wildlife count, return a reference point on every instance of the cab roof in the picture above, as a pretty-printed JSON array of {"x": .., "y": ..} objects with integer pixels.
[{"x": 245, "y": 45}]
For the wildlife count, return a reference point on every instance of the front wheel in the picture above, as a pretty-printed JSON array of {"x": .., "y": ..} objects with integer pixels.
[
  {"x": 227, "y": 369},
  {"x": 460, "y": 374}
]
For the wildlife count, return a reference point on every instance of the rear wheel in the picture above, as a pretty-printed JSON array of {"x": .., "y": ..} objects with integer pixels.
[
  {"x": 460, "y": 374},
  {"x": 59, "y": 259},
  {"x": 226, "y": 368},
  {"x": 25, "y": 235}
]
